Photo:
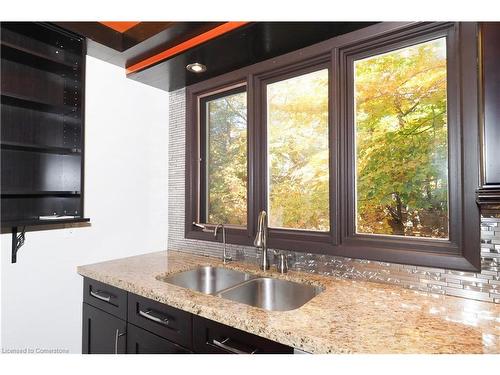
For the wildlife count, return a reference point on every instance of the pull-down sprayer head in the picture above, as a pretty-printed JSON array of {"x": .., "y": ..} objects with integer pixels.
[
  {"x": 261, "y": 239},
  {"x": 261, "y": 236}
]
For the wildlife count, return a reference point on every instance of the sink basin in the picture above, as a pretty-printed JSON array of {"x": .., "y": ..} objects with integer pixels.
[
  {"x": 271, "y": 294},
  {"x": 264, "y": 292},
  {"x": 208, "y": 280}
]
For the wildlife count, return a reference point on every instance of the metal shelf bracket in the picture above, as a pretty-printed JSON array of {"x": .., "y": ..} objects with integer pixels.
[{"x": 17, "y": 241}]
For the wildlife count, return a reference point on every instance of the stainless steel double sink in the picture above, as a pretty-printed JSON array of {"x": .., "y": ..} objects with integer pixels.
[{"x": 264, "y": 292}]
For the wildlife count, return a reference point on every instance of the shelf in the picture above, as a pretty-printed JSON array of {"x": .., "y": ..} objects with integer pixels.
[
  {"x": 39, "y": 148},
  {"x": 21, "y": 115},
  {"x": 20, "y": 194},
  {"x": 44, "y": 39},
  {"x": 37, "y": 60},
  {"x": 35, "y": 222},
  {"x": 34, "y": 103}
]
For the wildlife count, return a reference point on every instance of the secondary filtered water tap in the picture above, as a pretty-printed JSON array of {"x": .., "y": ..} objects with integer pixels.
[
  {"x": 282, "y": 264},
  {"x": 225, "y": 258}
]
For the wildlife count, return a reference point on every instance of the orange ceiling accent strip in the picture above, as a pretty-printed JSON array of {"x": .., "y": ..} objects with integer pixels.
[
  {"x": 190, "y": 43},
  {"x": 120, "y": 26}
]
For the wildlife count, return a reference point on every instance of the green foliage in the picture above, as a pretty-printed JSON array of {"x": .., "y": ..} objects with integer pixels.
[
  {"x": 298, "y": 152},
  {"x": 401, "y": 148},
  {"x": 227, "y": 160},
  {"x": 401, "y": 142}
]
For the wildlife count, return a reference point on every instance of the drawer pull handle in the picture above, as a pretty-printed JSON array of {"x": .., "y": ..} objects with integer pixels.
[
  {"x": 151, "y": 316},
  {"x": 117, "y": 336},
  {"x": 99, "y": 295},
  {"x": 222, "y": 344}
]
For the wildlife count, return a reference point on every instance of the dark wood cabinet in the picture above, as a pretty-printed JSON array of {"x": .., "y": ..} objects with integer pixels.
[
  {"x": 162, "y": 320},
  {"x": 489, "y": 192},
  {"x": 210, "y": 337},
  {"x": 115, "y": 321},
  {"x": 103, "y": 333},
  {"x": 42, "y": 115},
  {"x": 105, "y": 297},
  {"x": 140, "y": 341}
]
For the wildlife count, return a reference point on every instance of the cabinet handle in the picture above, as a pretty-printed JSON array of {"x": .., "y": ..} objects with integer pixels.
[
  {"x": 117, "y": 336},
  {"x": 98, "y": 295},
  {"x": 150, "y": 315},
  {"x": 222, "y": 344}
]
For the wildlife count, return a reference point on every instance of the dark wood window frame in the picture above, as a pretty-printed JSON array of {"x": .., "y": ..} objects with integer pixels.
[
  {"x": 461, "y": 251},
  {"x": 284, "y": 238},
  {"x": 195, "y": 165}
]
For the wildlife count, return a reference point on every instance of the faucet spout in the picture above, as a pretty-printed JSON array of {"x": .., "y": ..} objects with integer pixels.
[{"x": 261, "y": 239}]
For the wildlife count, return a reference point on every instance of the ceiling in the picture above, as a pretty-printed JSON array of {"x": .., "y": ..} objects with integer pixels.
[
  {"x": 156, "y": 53},
  {"x": 120, "y": 26}
]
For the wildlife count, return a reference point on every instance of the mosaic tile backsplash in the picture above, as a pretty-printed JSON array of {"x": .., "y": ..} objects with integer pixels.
[{"x": 484, "y": 286}]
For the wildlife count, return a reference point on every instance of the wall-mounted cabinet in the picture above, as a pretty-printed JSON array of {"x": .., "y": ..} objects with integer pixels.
[
  {"x": 489, "y": 192},
  {"x": 42, "y": 133}
]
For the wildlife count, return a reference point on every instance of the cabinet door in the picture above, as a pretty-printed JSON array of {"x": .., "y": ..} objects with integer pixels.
[
  {"x": 210, "y": 337},
  {"x": 140, "y": 341},
  {"x": 491, "y": 85},
  {"x": 102, "y": 333}
]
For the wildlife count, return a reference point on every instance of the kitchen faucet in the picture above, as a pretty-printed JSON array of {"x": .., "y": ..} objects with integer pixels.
[
  {"x": 261, "y": 239},
  {"x": 225, "y": 258}
]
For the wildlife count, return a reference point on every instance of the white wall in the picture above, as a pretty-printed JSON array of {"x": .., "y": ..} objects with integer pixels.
[{"x": 126, "y": 160}]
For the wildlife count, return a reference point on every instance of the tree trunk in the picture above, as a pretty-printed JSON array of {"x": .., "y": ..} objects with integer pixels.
[{"x": 397, "y": 220}]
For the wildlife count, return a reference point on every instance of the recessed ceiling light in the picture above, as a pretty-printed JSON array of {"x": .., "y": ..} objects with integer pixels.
[{"x": 196, "y": 68}]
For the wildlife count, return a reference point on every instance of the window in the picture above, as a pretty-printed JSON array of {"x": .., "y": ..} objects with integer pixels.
[
  {"x": 402, "y": 142},
  {"x": 224, "y": 158},
  {"x": 364, "y": 146},
  {"x": 297, "y": 149}
]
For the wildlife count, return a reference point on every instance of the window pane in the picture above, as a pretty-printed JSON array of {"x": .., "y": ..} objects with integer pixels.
[
  {"x": 402, "y": 142},
  {"x": 297, "y": 132},
  {"x": 226, "y": 171}
]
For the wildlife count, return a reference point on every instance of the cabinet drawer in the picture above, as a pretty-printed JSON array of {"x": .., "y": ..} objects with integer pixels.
[
  {"x": 140, "y": 341},
  {"x": 105, "y": 297},
  {"x": 213, "y": 337},
  {"x": 162, "y": 320}
]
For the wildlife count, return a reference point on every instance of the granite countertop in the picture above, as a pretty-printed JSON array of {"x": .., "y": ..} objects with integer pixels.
[{"x": 348, "y": 317}]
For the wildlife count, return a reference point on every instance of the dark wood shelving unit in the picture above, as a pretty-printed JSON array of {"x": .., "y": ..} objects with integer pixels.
[{"x": 42, "y": 134}]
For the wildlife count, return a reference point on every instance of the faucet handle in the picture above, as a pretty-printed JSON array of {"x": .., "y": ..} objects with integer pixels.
[
  {"x": 282, "y": 265},
  {"x": 202, "y": 227}
]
